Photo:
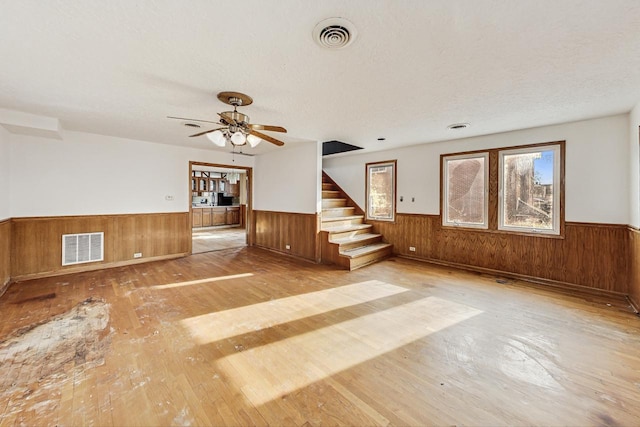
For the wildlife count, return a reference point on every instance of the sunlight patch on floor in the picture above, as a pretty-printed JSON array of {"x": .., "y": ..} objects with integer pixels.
[
  {"x": 212, "y": 327},
  {"x": 201, "y": 281},
  {"x": 209, "y": 237},
  {"x": 269, "y": 372}
]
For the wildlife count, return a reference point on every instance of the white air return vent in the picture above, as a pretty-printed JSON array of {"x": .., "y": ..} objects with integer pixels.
[
  {"x": 334, "y": 33},
  {"x": 83, "y": 247}
]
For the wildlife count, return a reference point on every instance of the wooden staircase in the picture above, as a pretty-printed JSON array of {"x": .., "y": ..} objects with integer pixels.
[{"x": 346, "y": 240}]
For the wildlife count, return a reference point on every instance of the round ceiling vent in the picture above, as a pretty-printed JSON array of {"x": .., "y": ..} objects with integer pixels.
[{"x": 334, "y": 33}]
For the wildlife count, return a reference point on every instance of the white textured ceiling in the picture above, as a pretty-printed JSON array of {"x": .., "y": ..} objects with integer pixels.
[{"x": 119, "y": 67}]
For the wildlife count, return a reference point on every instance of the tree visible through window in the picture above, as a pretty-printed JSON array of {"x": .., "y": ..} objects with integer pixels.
[
  {"x": 465, "y": 190},
  {"x": 381, "y": 191}
]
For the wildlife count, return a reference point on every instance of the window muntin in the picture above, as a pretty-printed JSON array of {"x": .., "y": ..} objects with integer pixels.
[
  {"x": 465, "y": 198},
  {"x": 529, "y": 190},
  {"x": 381, "y": 189}
]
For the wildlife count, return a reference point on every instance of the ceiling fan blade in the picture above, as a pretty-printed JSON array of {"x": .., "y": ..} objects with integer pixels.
[
  {"x": 268, "y": 127},
  {"x": 266, "y": 138},
  {"x": 204, "y": 133},
  {"x": 191, "y": 120},
  {"x": 228, "y": 119}
]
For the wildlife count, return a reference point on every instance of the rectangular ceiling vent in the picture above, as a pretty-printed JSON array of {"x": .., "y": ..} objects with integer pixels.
[
  {"x": 83, "y": 247},
  {"x": 335, "y": 147}
]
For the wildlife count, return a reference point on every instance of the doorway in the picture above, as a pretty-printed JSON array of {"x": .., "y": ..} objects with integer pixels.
[{"x": 220, "y": 209}]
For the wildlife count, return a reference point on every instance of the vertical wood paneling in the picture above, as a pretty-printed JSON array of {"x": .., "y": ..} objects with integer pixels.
[
  {"x": 37, "y": 242},
  {"x": 5, "y": 254},
  {"x": 634, "y": 267},
  {"x": 275, "y": 230},
  {"x": 592, "y": 255}
]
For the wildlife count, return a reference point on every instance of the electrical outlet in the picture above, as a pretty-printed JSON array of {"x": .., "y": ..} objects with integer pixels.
[
  {"x": 287, "y": 247},
  {"x": 137, "y": 255},
  {"x": 412, "y": 248}
]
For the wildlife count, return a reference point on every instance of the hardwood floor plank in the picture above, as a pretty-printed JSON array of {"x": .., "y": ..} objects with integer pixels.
[{"x": 249, "y": 337}]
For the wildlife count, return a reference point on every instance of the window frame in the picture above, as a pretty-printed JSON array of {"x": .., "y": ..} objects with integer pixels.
[
  {"x": 445, "y": 190},
  {"x": 393, "y": 164},
  {"x": 557, "y": 159},
  {"x": 493, "y": 170}
]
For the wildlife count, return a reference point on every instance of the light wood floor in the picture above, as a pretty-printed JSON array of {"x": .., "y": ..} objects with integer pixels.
[
  {"x": 249, "y": 337},
  {"x": 208, "y": 239}
]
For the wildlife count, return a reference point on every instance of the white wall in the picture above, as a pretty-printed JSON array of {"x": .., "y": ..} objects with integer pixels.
[
  {"x": 288, "y": 180},
  {"x": 596, "y": 176},
  {"x": 89, "y": 174},
  {"x": 634, "y": 166},
  {"x": 5, "y": 175}
]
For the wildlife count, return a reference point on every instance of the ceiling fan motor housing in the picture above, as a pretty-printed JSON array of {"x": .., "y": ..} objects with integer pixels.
[{"x": 241, "y": 119}]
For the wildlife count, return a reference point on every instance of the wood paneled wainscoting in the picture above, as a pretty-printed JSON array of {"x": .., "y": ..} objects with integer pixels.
[
  {"x": 276, "y": 230},
  {"x": 5, "y": 254},
  {"x": 634, "y": 270},
  {"x": 37, "y": 242},
  {"x": 592, "y": 256}
]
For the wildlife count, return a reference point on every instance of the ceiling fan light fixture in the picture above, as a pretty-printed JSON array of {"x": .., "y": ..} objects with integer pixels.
[
  {"x": 253, "y": 140},
  {"x": 217, "y": 138},
  {"x": 238, "y": 138}
]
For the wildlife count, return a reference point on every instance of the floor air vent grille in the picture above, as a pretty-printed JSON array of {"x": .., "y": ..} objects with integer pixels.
[{"x": 81, "y": 248}]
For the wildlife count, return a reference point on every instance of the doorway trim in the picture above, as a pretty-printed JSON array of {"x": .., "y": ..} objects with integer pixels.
[{"x": 249, "y": 219}]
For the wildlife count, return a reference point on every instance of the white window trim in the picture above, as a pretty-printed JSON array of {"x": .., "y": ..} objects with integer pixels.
[
  {"x": 393, "y": 189},
  {"x": 445, "y": 188},
  {"x": 556, "y": 190}
]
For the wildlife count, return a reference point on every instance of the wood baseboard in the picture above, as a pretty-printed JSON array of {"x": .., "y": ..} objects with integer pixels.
[
  {"x": 96, "y": 267},
  {"x": 530, "y": 279}
]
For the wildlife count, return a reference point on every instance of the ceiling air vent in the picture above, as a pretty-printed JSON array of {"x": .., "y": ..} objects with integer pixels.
[
  {"x": 334, "y": 33},
  {"x": 81, "y": 248}
]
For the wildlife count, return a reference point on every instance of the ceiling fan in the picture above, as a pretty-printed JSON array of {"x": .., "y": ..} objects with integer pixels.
[{"x": 236, "y": 128}]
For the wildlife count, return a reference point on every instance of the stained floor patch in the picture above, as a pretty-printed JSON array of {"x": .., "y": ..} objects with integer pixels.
[{"x": 36, "y": 357}]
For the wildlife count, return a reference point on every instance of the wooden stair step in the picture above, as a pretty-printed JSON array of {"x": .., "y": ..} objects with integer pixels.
[
  {"x": 365, "y": 250},
  {"x": 330, "y": 194},
  {"x": 338, "y": 211},
  {"x": 333, "y": 203},
  {"x": 341, "y": 218},
  {"x": 355, "y": 238},
  {"x": 346, "y": 228},
  {"x": 327, "y": 186}
]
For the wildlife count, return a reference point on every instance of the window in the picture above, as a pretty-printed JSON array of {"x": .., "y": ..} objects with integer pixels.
[
  {"x": 513, "y": 189},
  {"x": 381, "y": 191},
  {"x": 465, "y": 198},
  {"x": 529, "y": 193}
]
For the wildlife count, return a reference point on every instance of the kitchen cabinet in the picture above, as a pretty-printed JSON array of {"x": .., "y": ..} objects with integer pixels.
[
  {"x": 206, "y": 217},
  {"x": 233, "y": 189},
  {"x": 197, "y": 217},
  {"x": 212, "y": 216},
  {"x": 233, "y": 215},
  {"x": 219, "y": 216}
]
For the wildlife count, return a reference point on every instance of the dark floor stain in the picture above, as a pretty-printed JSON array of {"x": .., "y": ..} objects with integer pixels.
[
  {"x": 38, "y": 298},
  {"x": 607, "y": 420}
]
